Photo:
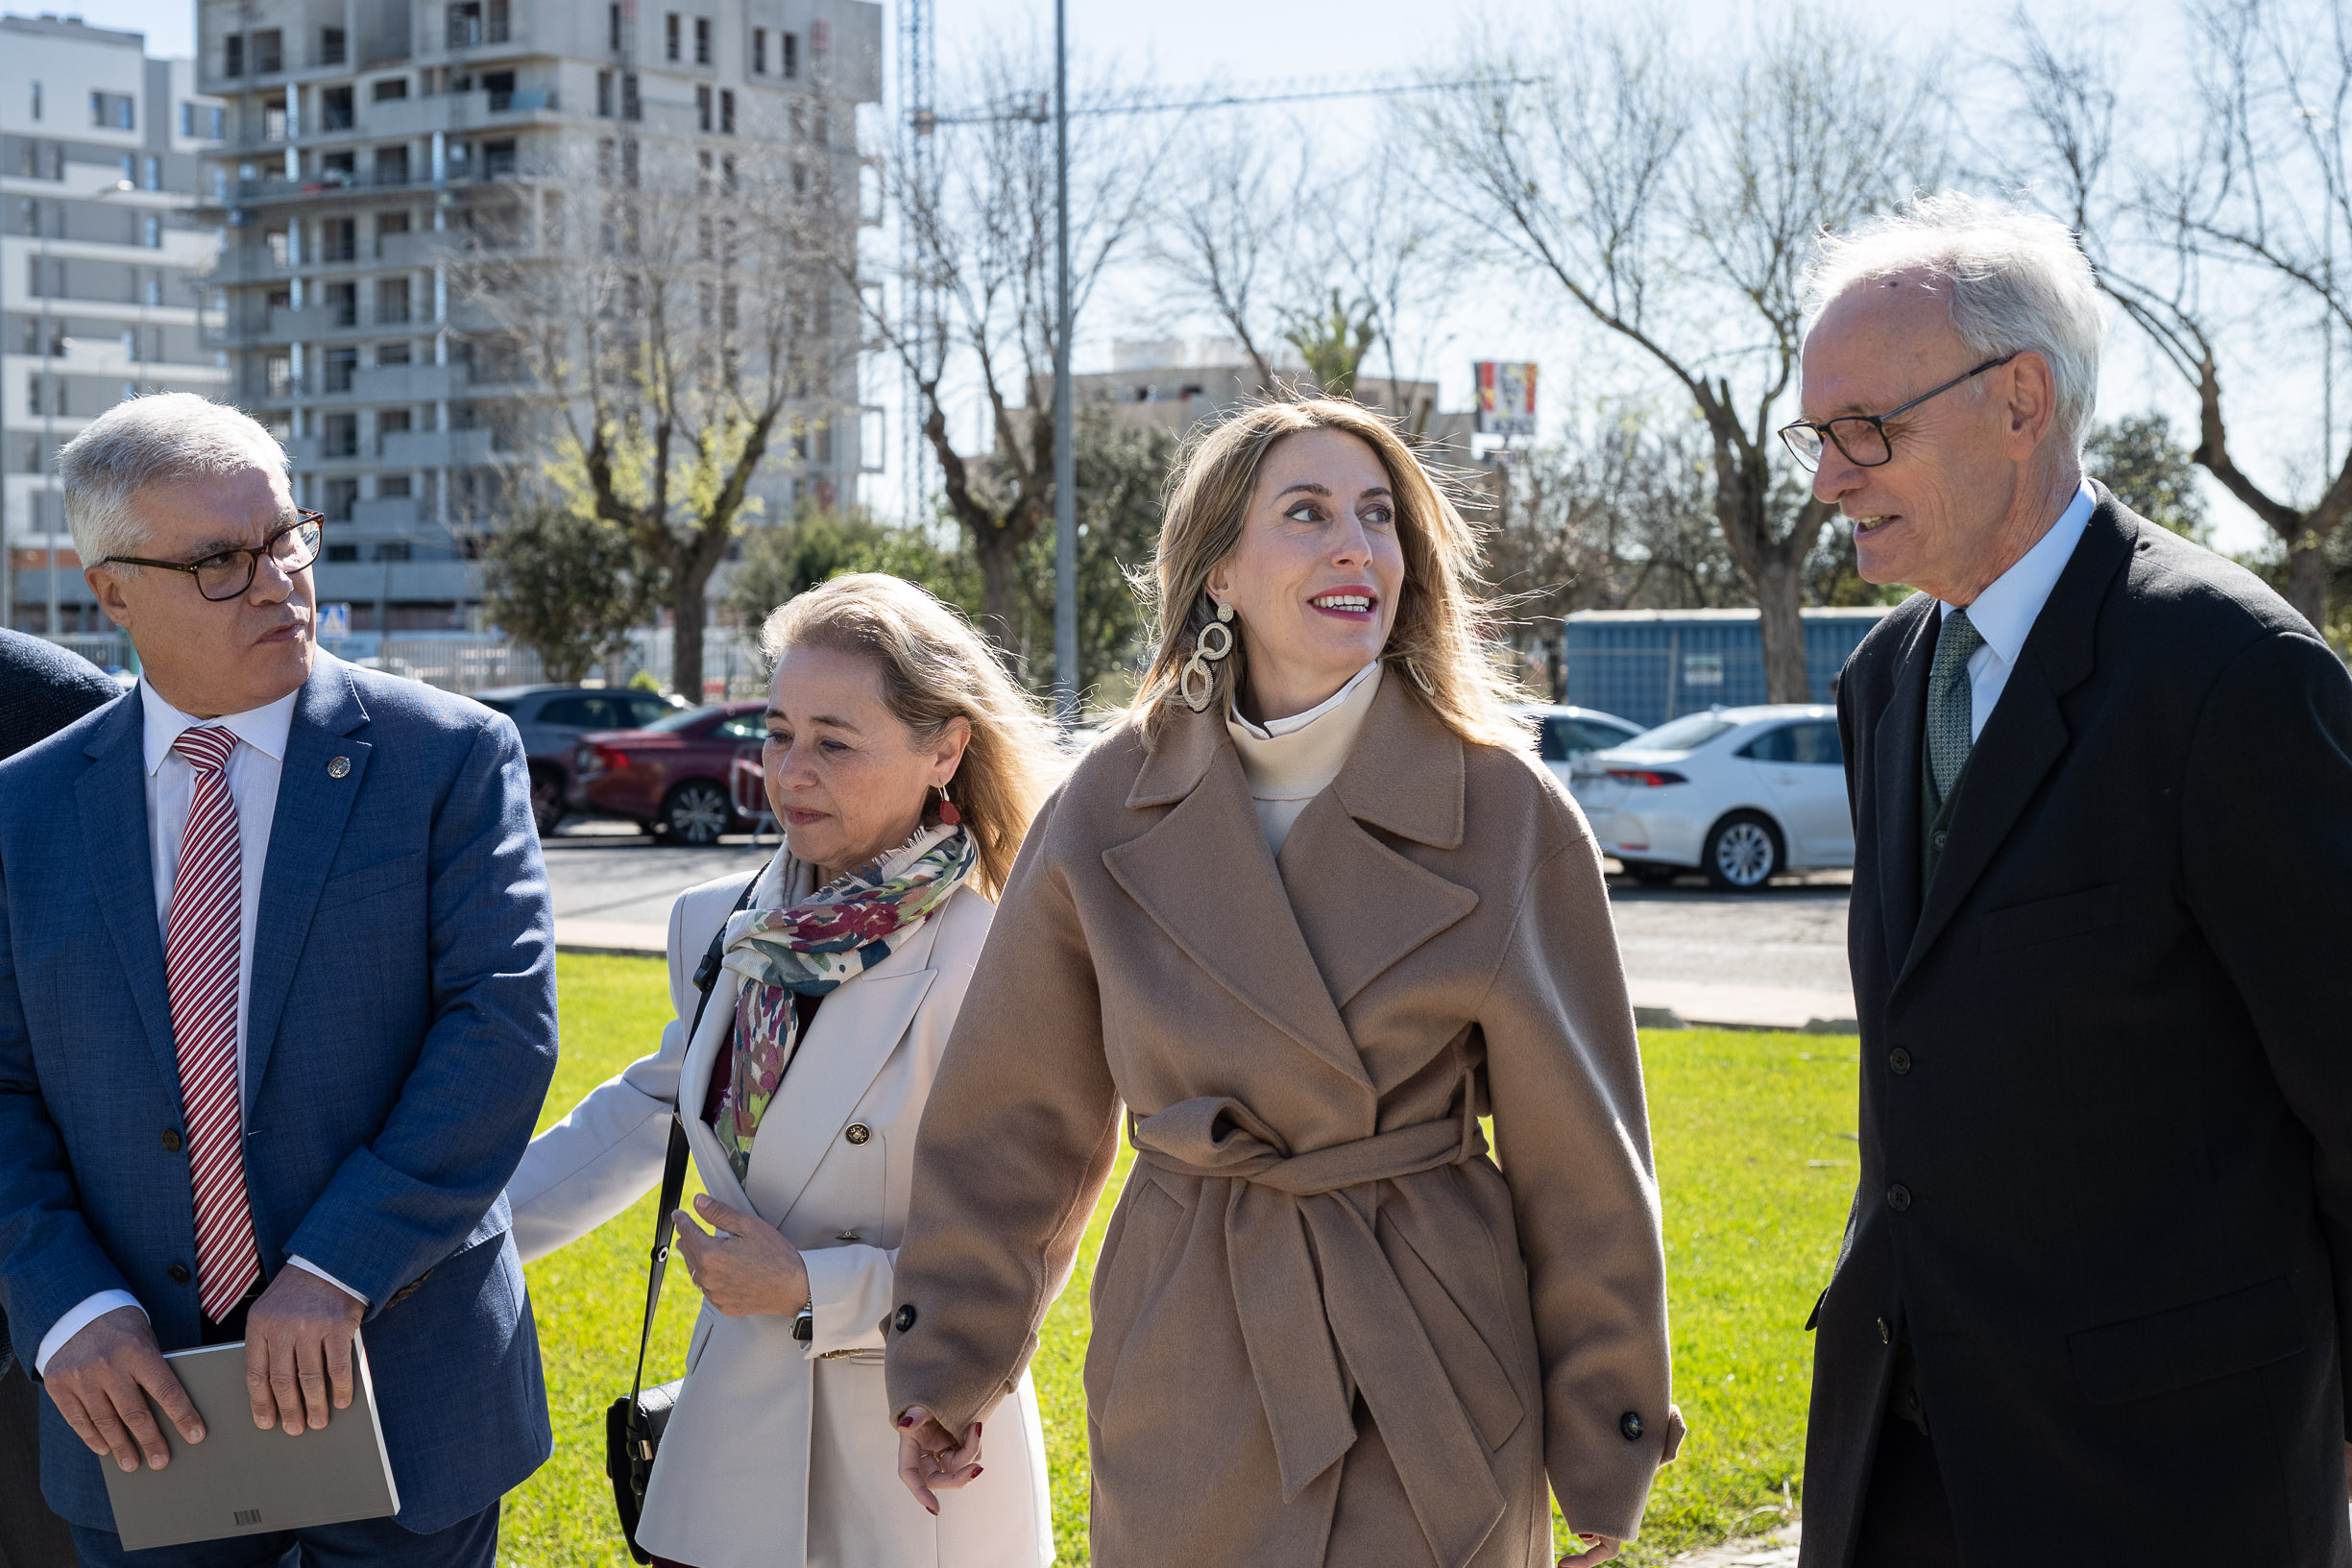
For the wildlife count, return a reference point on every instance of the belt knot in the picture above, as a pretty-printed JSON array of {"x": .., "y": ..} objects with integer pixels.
[{"x": 1324, "y": 1315}]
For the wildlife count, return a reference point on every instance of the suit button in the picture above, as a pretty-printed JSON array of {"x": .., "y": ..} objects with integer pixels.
[
  {"x": 177, "y": 1273},
  {"x": 905, "y": 1318},
  {"x": 858, "y": 1133},
  {"x": 1898, "y": 1197},
  {"x": 171, "y": 1140},
  {"x": 1884, "y": 1338},
  {"x": 1900, "y": 1060},
  {"x": 1938, "y": 838},
  {"x": 1630, "y": 1423}
]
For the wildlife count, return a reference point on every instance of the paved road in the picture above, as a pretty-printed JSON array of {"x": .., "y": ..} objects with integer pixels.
[{"x": 1778, "y": 958}]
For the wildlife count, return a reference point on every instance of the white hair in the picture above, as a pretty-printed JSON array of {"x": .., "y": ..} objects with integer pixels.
[
  {"x": 165, "y": 438},
  {"x": 2016, "y": 280}
]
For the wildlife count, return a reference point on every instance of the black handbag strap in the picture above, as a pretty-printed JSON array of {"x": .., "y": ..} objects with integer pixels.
[{"x": 673, "y": 1168}]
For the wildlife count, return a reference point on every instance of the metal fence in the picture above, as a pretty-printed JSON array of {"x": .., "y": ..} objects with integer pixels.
[
  {"x": 732, "y": 666},
  {"x": 1649, "y": 666}
]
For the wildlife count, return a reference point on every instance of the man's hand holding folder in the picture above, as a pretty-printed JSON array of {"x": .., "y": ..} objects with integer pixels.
[{"x": 96, "y": 1378}]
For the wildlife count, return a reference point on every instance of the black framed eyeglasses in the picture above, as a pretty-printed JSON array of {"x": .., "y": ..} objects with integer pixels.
[
  {"x": 1863, "y": 437},
  {"x": 226, "y": 574}
]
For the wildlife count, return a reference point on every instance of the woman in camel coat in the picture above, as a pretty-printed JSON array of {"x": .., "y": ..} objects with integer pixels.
[
  {"x": 1307, "y": 918},
  {"x": 801, "y": 1093}
]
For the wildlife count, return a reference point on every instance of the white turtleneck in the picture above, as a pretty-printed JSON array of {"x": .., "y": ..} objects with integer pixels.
[{"x": 1289, "y": 762}]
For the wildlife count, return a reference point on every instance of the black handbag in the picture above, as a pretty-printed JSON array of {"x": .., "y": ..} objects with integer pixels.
[{"x": 633, "y": 1426}]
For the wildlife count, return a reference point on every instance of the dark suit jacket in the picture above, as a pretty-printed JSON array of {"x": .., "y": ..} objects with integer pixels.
[
  {"x": 2106, "y": 1078},
  {"x": 44, "y": 689},
  {"x": 400, "y": 1037}
]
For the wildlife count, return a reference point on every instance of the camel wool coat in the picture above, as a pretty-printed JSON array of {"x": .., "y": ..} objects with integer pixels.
[{"x": 1327, "y": 1328}]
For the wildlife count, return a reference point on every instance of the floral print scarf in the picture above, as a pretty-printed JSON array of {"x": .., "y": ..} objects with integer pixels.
[{"x": 812, "y": 948}]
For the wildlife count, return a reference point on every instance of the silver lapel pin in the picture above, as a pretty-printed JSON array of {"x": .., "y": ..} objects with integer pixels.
[{"x": 338, "y": 767}]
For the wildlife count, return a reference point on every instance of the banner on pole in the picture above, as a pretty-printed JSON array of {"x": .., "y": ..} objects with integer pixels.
[{"x": 1506, "y": 397}]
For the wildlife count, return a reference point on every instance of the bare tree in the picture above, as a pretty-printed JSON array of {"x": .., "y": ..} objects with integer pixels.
[
  {"x": 677, "y": 316},
  {"x": 1342, "y": 267},
  {"x": 1615, "y": 514},
  {"x": 2238, "y": 230},
  {"x": 1398, "y": 256},
  {"x": 1674, "y": 202},
  {"x": 1228, "y": 233},
  {"x": 984, "y": 245}
]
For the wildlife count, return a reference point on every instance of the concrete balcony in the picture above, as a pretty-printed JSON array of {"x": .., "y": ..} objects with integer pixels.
[
  {"x": 364, "y": 582},
  {"x": 441, "y": 448},
  {"x": 396, "y": 515},
  {"x": 312, "y": 322},
  {"x": 403, "y": 383},
  {"x": 418, "y": 248},
  {"x": 460, "y": 111},
  {"x": 247, "y": 264},
  {"x": 329, "y": 186}
]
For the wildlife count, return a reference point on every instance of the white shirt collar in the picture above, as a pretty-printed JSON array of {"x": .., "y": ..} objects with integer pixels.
[
  {"x": 2004, "y": 612},
  {"x": 1299, "y": 721},
  {"x": 265, "y": 728}
]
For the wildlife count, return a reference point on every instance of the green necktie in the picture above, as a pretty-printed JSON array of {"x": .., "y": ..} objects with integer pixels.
[{"x": 1949, "y": 702}]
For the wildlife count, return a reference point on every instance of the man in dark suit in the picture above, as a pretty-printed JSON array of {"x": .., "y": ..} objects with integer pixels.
[
  {"x": 2095, "y": 1287},
  {"x": 277, "y": 1012},
  {"x": 43, "y": 687}
]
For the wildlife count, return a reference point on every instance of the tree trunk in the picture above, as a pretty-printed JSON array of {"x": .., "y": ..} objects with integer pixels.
[
  {"x": 2307, "y": 577},
  {"x": 1780, "y": 595},
  {"x": 688, "y": 614},
  {"x": 999, "y": 587}
]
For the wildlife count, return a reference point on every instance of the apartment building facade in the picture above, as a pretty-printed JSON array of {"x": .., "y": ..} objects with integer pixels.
[
  {"x": 100, "y": 254},
  {"x": 371, "y": 146}
]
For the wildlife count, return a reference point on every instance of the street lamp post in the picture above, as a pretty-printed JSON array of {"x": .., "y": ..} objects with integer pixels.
[
  {"x": 1065, "y": 454},
  {"x": 52, "y": 611}
]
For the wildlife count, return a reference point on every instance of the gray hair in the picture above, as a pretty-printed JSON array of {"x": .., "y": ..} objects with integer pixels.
[
  {"x": 165, "y": 438},
  {"x": 2017, "y": 280}
]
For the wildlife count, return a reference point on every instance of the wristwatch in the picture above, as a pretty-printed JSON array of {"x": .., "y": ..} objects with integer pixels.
[{"x": 804, "y": 1326}]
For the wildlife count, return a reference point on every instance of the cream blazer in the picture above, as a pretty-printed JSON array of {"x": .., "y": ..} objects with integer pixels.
[{"x": 781, "y": 1454}]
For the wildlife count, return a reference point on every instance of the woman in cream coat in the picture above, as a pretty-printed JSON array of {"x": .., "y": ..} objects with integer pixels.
[
  {"x": 801, "y": 1100},
  {"x": 1307, "y": 918}
]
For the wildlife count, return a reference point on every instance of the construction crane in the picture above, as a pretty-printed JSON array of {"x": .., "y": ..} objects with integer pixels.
[{"x": 1303, "y": 89}]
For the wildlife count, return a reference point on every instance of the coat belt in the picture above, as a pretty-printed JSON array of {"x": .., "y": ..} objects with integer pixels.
[{"x": 1288, "y": 1229}]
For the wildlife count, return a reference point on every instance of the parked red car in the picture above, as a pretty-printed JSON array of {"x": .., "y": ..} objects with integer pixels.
[{"x": 670, "y": 778}]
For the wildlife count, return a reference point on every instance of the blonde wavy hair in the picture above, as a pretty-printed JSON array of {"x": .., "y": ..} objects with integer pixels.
[
  {"x": 935, "y": 667},
  {"x": 1442, "y": 629}
]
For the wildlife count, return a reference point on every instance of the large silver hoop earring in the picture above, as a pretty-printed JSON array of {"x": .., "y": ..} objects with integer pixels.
[{"x": 1210, "y": 645}]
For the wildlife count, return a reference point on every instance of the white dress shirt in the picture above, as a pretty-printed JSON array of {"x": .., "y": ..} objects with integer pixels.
[
  {"x": 252, "y": 772},
  {"x": 2004, "y": 612}
]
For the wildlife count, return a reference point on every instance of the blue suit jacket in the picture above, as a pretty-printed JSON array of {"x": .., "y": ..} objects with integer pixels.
[{"x": 400, "y": 1035}]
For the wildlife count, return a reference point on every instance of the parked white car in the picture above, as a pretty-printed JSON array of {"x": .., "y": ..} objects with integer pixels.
[
  {"x": 1741, "y": 793},
  {"x": 1564, "y": 733}
]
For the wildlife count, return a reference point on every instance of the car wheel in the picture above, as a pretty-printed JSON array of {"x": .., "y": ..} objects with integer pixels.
[
  {"x": 1650, "y": 874},
  {"x": 546, "y": 800},
  {"x": 696, "y": 813},
  {"x": 1743, "y": 852}
]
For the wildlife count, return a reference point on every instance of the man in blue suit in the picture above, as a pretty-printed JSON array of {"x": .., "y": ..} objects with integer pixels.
[{"x": 276, "y": 1013}]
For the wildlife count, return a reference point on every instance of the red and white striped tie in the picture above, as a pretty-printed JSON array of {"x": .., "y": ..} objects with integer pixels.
[{"x": 200, "y": 960}]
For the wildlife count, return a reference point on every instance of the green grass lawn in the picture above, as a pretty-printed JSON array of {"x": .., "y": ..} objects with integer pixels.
[{"x": 1755, "y": 1156}]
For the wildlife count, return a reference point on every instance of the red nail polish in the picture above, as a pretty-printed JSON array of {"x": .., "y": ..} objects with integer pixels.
[
  {"x": 906, "y": 1420},
  {"x": 975, "y": 1472}
]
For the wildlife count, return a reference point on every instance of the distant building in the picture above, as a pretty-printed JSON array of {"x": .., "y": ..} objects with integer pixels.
[
  {"x": 1176, "y": 383},
  {"x": 366, "y": 137},
  {"x": 99, "y": 256}
]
